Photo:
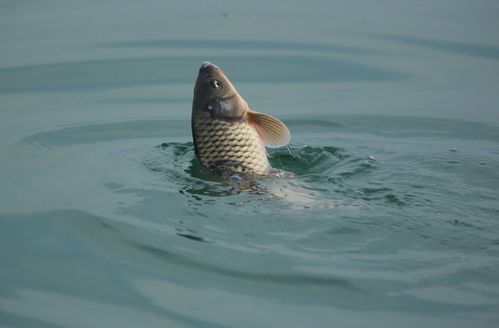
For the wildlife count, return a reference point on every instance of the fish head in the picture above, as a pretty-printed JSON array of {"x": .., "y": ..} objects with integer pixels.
[{"x": 215, "y": 94}]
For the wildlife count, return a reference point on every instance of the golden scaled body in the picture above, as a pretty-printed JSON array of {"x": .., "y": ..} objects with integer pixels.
[{"x": 222, "y": 145}]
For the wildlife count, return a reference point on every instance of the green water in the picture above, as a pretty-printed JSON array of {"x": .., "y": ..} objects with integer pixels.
[{"x": 392, "y": 220}]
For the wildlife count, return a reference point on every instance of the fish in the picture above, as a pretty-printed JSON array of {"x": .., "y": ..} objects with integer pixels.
[{"x": 228, "y": 136}]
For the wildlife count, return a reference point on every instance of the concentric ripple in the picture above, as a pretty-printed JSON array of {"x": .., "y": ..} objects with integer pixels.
[{"x": 368, "y": 210}]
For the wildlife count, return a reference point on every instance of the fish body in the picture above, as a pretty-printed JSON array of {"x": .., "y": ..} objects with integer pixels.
[{"x": 229, "y": 136}]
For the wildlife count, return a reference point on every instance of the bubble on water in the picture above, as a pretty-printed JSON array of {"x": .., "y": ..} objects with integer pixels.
[{"x": 283, "y": 174}]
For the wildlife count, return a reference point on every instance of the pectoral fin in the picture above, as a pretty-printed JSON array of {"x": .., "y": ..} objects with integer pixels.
[{"x": 272, "y": 131}]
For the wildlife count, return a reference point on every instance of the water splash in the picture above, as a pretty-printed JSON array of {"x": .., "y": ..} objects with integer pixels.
[{"x": 299, "y": 178}]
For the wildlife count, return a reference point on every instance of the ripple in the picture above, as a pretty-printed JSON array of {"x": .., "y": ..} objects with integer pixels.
[
  {"x": 243, "y": 45},
  {"x": 453, "y": 47},
  {"x": 115, "y": 73},
  {"x": 322, "y": 172},
  {"x": 287, "y": 279},
  {"x": 107, "y": 132},
  {"x": 326, "y": 175},
  {"x": 307, "y": 159},
  {"x": 176, "y": 164}
]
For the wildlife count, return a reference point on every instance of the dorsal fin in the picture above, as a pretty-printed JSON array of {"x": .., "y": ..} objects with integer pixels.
[{"x": 272, "y": 131}]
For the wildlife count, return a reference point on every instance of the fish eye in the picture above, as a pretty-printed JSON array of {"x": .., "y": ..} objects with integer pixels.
[{"x": 216, "y": 84}]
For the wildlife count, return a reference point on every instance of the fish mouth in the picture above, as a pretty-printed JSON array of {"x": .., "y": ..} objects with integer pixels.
[{"x": 207, "y": 66}]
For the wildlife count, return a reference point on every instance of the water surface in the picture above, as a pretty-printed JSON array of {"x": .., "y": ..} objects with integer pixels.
[{"x": 391, "y": 220}]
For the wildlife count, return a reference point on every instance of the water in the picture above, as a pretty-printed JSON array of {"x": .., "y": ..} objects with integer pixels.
[{"x": 392, "y": 220}]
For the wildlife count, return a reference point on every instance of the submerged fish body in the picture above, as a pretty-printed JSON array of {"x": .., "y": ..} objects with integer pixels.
[{"x": 228, "y": 136}]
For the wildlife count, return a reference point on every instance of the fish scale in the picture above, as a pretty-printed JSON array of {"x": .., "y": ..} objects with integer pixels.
[{"x": 235, "y": 144}]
